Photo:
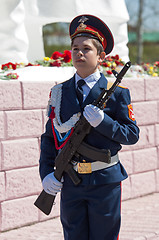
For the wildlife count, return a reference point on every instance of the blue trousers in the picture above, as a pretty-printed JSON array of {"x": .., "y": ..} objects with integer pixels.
[{"x": 91, "y": 212}]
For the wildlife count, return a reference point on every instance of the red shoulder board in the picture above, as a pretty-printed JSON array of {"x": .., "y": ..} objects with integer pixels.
[{"x": 131, "y": 112}]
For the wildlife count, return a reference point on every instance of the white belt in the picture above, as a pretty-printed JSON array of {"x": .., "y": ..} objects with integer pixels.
[{"x": 87, "y": 167}]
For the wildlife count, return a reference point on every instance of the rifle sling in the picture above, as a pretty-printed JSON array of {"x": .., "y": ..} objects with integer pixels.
[{"x": 95, "y": 154}]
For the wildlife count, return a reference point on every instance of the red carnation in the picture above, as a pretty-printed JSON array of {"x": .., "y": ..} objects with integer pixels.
[
  {"x": 9, "y": 65},
  {"x": 105, "y": 64},
  {"x": 115, "y": 57},
  {"x": 109, "y": 72},
  {"x": 118, "y": 62},
  {"x": 57, "y": 63},
  {"x": 157, "y": 63},
  {"x": 66, "y": 56},
  {"x": 56, "y": 55},
  {"x": 12, "y": 75},
  {"x": 109, "y": 58},
  {"x": 4, "y": 67},
  {"x": 29, "y": 65},
  {"x": 14, "y": 66}
]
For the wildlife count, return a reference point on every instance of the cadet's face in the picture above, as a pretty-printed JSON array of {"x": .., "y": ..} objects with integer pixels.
[{"x": 84, "y": 56}]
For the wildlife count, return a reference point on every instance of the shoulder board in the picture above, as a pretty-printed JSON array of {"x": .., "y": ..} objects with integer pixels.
[
  {"x": 109, "y": 84},
  {"x": 122, "y": 87}
]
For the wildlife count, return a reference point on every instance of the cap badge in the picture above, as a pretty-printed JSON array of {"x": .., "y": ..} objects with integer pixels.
[{"x": 82, "y": 21}]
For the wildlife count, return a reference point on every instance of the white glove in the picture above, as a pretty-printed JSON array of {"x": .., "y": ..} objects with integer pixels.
[
  {"x": 51, "y": 185},
  {"x": 93, "y": 115}
]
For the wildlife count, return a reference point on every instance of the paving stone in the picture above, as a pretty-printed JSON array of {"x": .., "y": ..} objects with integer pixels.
[{"x": 140, "y": 221}]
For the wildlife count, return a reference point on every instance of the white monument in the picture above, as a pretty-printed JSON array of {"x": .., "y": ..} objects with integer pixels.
[{"x": 21, "y": 23}]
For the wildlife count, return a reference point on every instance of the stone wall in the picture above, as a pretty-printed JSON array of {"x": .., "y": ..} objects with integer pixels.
[{"x": 22, "y": 121}]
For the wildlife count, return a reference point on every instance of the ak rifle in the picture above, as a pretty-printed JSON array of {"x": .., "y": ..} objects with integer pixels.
[{"x": 63, "y": 163}]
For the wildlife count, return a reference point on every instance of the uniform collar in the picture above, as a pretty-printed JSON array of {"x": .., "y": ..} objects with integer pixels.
[
  {"x": 90, "y": 80},
  {"x": 70, "y": 92}
]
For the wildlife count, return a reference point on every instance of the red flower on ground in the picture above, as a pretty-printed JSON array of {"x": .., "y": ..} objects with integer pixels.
[
  {"x": 4, "y": 67},
  {"x": 56, "y": 55},
  {"x": 109, "y": 58},
  {"x": 157, "y": 63},
  {"x": 116, "y": 57},
  {"x": 29, "y": 65},
  {"x": 118, "y": 62},
  {"x": 109, "y": 72},
  {"x": 66, "y": 56},
  {"x": 12, "y": 76},
  {"x": 13, "y": 66},
  {"x": 104, "y": 64},
  {"x": 9, "y": 65},
  {"x": 145, "y": 67},
  {"x": 57, "y": 63}
]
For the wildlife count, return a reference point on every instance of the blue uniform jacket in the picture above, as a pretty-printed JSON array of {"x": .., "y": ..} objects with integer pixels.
[{"x": 118, "y": 127}]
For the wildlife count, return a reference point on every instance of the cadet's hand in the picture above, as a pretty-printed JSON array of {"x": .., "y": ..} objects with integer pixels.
[
  {"x": 51, "y": 185},
  {"x": 93, "y": 115}
]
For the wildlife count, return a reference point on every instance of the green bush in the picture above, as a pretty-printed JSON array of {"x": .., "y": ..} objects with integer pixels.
[
  {"x": 150, "y": 52},
  {"x": 50, "y": 49}
]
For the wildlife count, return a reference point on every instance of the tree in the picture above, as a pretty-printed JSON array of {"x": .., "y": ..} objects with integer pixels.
[
  {"x": 144, "y": 16},
  {"x": 140, "y": 32}
]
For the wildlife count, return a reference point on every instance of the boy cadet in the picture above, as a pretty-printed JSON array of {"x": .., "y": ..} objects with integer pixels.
[{"x": 90, "y": 210}]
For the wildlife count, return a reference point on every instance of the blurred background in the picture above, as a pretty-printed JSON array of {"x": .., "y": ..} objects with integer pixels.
[{"x": 143, "y": 32}]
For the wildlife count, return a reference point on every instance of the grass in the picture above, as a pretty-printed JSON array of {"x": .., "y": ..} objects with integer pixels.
[{"x": 150, "y": 52}]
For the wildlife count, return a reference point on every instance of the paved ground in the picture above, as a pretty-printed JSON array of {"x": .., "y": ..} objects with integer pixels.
[{"x": 140, "y": 221}]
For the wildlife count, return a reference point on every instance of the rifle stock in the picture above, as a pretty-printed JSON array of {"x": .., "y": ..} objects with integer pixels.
[{"x": 45, "y": 201}]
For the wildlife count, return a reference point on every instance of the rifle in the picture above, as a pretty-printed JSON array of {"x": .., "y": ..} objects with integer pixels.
[{"x": 63, "y": 164}]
